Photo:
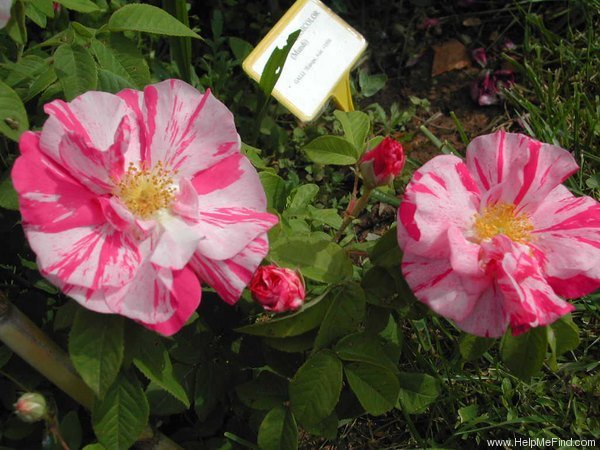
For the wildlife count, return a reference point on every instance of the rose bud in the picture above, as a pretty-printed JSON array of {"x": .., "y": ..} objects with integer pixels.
[
  {"x": 31, "y": 407},
  {"x": 277, "y": 289},
  {"x": 479, "y": 56},
  {"x": 382, "y": 164}
]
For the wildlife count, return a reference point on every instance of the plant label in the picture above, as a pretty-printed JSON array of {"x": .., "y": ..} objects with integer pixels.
[{"x": 318, "y": 64}]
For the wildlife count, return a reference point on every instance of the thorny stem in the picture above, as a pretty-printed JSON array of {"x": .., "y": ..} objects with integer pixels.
[
  {"x": 24, "y": 338},
  {"x": 358, "y": 207}
]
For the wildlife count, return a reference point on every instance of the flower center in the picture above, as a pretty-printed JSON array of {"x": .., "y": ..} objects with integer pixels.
[
  {"x": 501, "y": 219},
  {"x": 145, "y": 191}
]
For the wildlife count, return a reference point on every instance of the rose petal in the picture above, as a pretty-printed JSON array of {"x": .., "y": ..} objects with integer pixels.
[{"x": 230, "y": 277}]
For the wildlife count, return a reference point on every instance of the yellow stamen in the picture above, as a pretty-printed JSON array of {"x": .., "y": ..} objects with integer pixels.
[
  {"x": 146, "y": 191},
  {"x": 501, "y": 219}
]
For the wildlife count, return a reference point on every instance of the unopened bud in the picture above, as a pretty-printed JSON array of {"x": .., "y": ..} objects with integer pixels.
[{"x": 31, "y": 407}]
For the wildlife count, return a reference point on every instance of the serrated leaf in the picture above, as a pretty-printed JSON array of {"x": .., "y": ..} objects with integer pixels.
[
  {"x": 356, "y": 126},
  {"x": 473, "y": 347},
  {"x": 345, "y": 312},
  {"x": 119, "y": 418},
  {"x": 315, "y": 389},
  {"x": 524, "y": 354},
  {"x": 266, "y": 391},
  {"x": 111, "y": 82},
  {"x": 8, "y": 195},
  {"x": 361, "y": 347},
  {"x": 109, "y": 61},
  {"x": 75, "y": 69},
  {"x": 152, "y": 359},
  {"x": 316, "y": 256},
  {"x": 331, "y": 150},
  {"x": 13, "y": 117},
  {"x": 148, "y": 19},
  {"x": 417, "y": 391},
  {"x": 84, "y": 6},
  {"x": 278, "y": 430},
  {"x": 96, "y": 348},
  {"x": 307, "y": 318},
  {"x": 375, "y": 387},
  {"x": 164, "y": 404},
  {"x": 41, "y": 83},
  {"x": 128, "y": 55}
]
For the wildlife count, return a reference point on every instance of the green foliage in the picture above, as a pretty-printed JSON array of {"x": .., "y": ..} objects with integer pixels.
[
  {"x": 376, "y": 387},
  {"x": 13, "y": 117},
  {"x": 120, "y": 417},
  {"x": 96, "y": 349},
  {"x": 524, "y": 354},
  {"x": 148, "y": 19},
  {"x": 75, "y": 69},
  {"x": 331, "y": 150},
  {"x": 278, "y": 430},
  {"x": 152, "y": 358},
  {"x": 417, "y": 391},
  {"x": 315, "y": 389}
]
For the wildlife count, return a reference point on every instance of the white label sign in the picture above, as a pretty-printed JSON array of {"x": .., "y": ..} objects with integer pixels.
[{"x": 324, "y": 53}]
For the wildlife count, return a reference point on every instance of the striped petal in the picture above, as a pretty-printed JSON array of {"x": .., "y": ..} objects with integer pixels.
[
  {"x": 231, "y": 182},
  {"x": 51, "y": 200},
  {"x": 438, "y": 285},
  {"x": 567, "y": 233},
  {"x": 528, "y": 298},
  {"x": 90, "y": 257},
  {"x": 227, "y": 231},
  {"x": 441, "y": 194},
  {"x": 488, "y": 318},
  {"x": 95, "y": 117},
  {"x": 185, "y": 297},
  {"x": 186, "y": 130},
  {"x": 230, "y": 277},
  {"x": 516, "y": 169}
]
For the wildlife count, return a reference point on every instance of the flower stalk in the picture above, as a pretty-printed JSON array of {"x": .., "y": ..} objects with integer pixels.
[{"x": 356, "y": 210}]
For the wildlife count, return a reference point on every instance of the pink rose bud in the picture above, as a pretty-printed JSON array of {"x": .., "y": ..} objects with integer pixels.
[
  {"x": 277, "y": 289},
  {"x": 382, "y": 164},
  {"x": 480, "y": 56},
  {"x": 31, "y": 407}
]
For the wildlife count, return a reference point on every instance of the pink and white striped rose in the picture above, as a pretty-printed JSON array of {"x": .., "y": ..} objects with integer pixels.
[
  {"x": 129, "y": 199},
  {"x": 5, "y": 6},
  {"x": 497, "y": 240}
]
